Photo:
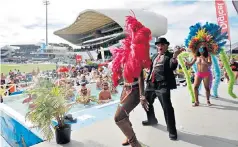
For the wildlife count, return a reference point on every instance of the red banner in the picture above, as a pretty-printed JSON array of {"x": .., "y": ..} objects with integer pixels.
[
  {"x": 78, "y": 58},
  {"x": 222, "y": 16}
]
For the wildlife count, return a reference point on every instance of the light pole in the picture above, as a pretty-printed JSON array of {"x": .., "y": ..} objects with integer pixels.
[{"x": 46, "y": 3}]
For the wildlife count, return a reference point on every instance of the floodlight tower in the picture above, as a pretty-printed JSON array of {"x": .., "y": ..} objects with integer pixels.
[{"x": 46, "y": 3}]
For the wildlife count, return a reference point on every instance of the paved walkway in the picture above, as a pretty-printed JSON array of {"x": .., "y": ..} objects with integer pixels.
[
  {"x": 3, "y": 142},
  {"x": 215, "y": 126}
]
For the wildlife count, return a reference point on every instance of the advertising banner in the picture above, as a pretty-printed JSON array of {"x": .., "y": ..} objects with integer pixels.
[{"x": 222, "y": 16}]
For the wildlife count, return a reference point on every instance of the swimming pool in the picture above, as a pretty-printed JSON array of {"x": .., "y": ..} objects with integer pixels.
[
  {"x": 94, "y": 92},
  {"x": 13, "y": 113},
  {"x": 15, "y": 101},
  {"x": 15, "y": 132}
]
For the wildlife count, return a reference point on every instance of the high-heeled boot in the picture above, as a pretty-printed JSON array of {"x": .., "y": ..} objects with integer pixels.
[
  {"x": 126, "y": 142},
  {"x": 126, "y": 128}
]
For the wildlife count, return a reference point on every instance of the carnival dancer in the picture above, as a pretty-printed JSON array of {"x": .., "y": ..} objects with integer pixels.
[
  {"x": 204, "y": 63},
  {"x": 205, "y": 42},
  {"x": 160, "y": 81},
  {"x": 128, "y": 63}
]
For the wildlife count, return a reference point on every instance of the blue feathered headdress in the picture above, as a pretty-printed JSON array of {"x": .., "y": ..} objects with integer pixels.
[{"x": 208, "y": 35}]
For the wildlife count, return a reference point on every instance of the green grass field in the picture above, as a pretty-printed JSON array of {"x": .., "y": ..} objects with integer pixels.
[{"x": 5, "y": 68}]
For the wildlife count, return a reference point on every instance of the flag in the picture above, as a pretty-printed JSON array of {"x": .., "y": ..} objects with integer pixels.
[
  {"x": 43, "y": 46},
  {"x": 78, "y": 58},
  {"x": 102, "y": 53},
  {"x": 222, "y": 16}
]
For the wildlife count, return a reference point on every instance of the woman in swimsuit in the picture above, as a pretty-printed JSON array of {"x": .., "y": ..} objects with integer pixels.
[{"x": 203, "y": 61}]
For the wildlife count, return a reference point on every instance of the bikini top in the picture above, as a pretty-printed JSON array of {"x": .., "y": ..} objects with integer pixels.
[{"x": 201, "y": 61}]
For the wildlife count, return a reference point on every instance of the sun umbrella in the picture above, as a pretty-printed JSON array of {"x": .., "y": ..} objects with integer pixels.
[
  {"x": 63, "y": 69},
  {"x": 103, "y": 64}
]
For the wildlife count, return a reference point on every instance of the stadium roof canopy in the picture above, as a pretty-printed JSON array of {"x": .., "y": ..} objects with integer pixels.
[
  {"x": 235, "y": 3},
  {"x": 91, "y": 20}
]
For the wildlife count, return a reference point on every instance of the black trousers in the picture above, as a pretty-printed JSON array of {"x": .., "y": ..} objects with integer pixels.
[{"x": 163, "y": 95}]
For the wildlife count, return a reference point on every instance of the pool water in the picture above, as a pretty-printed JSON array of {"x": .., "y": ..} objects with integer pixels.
[
  {"x": 15, "y": 102},
  {"x": 20, "y": 131}
]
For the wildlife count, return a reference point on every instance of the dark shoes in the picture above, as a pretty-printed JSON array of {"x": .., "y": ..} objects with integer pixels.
[
  {"x": 173, "y": 135},
  {"x": 150, "y": 123},
  {"x": 126, "y": 142}
]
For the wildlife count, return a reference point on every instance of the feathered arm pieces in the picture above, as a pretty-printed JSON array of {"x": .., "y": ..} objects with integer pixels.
[
  {"x": 231, "y": 75},
  {"x": 217, "y": 73},
  {"x": 187, "y": 75}
]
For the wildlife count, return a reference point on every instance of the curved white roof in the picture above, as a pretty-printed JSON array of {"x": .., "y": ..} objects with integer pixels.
[
  {"x": 89, "y": 20},
  {"x": 235, "y": 3}
]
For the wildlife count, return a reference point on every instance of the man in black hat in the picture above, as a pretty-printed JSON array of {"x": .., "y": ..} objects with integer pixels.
[{"x": 160, "y": 81}]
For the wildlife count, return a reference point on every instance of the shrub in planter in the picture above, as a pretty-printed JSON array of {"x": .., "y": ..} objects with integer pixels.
[{"x": 50, "y": 104}]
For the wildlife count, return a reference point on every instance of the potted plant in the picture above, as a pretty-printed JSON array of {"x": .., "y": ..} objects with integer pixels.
[{"x": 50, "y": 104}]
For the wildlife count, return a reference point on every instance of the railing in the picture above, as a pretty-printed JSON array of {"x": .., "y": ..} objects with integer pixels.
[
  {"x": 5, "y": 53},
  {"x": 6, "y": 90},
  {"x": 102, "y": 38},
  {"x": 110, "y": 29},
  {"x": 90, "y": 55}
]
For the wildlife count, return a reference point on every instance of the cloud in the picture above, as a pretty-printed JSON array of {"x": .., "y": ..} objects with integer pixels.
[
  {"x": 24, "y": 21},
  {"x": 182, "y": 16},
  {"x": 27, "y": 18}
]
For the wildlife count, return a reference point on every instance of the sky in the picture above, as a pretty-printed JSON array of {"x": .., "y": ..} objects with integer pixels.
[{"x": 23, "y": 21}]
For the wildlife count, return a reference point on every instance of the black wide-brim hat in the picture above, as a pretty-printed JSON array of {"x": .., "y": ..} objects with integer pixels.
[{"x": 161, "y": 40}]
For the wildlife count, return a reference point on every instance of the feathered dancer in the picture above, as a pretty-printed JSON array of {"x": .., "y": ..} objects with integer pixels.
[
  {"x": 205, "y": 41},
  {"x": 133, "y": 55},
  {"x": 128, "y": 63}
]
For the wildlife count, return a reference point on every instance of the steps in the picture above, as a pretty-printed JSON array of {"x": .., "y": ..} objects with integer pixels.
[{"x": 90, "y": 55}]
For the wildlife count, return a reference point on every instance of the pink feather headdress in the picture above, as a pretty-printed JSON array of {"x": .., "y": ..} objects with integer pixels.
[{"x": 133, "y": 55}]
